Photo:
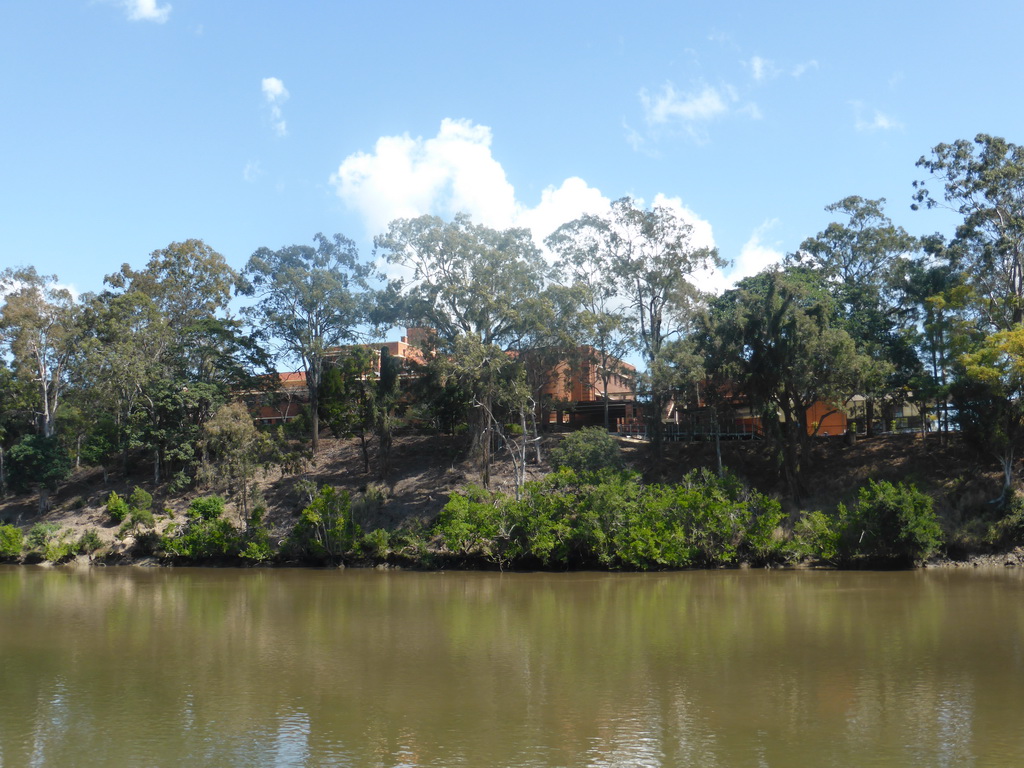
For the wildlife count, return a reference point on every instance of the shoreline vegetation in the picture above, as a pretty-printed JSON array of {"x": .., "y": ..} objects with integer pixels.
[
  {"x": 597, "y": 503},
  {"x": 150, "y": 420}
]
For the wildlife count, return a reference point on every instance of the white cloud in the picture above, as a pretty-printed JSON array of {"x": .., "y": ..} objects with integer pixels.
[
  {"x": 869, "y": 120},
  {"x": 252, "y": 171},
  {"x": 701, "y": 236},
  {"x": 406, "y": 177},
  {"x": 558, "y": 205},
  {"x": 755, "y": 255},
  {"x": 669, "y": 105},
  {"x": 453, "y": 172},
  {"x": 146, "y": 10},
  {"x": 751, "y": 110},
  {"x": 804, "y": 67},
  {"x": 276, "y": 94},
  {"x": 763, "y": 69}
]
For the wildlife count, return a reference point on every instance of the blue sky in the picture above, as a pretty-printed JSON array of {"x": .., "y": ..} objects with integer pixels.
[{"x": 127, "y": 125}]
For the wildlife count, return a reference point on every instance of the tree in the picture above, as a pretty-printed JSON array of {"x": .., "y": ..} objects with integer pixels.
[
  {"x": 310, "y": 299},
  {"x": 474, "y": 286},
  {"x": 39, "y": 328},
  {"x": 860, "y": 261},
  {"x": 385, "y": 398},
  {"x": 40, "y": 462},
  {"x": 235, "y": 449},
  {"x": 983, "y": 181},
  {"x": 187, "y": 281},
  {"x": 652, "y": 261},
  {"x": 466, "y": 278},
  {"x": 347, "y": 397},
  {"x": 775, "y": 336},
  {"x": 166, "y": 354},
  {"x": 603, "y": 325},
  {"x": 990, "y": 399}
]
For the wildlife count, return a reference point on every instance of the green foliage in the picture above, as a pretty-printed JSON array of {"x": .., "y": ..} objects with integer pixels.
[
  {"x": 376, "y": 544},
  {"x": 140, "y": 501},
  {"x": 589, "y": 450},
  {"x": 142, "y": 518},
  {"x": 11, "y": 540},
  {"x": 615, "y": 521},
  {"x": 51, "y": 541},
  {"x": 817, "y": 535},
  {"x": 205, "y": 508},
  {"x": 367, "y": 504},
  {"x": 88, "y": 542},
  {"x": 179, "y": 482},
  {"x": 1008, "y": 531},
  {"x": 117, "y": 508},
  {"x": 205, "y": 539},
  {"x": 38, "y": 461},
  {"x": 325, "y": 531},
  {"x": 889, "y": 521}
]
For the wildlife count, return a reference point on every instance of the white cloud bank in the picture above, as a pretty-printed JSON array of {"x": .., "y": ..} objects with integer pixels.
[
  {"x": 276, "y": 94},
  {"x": 146, "y": 10},
  {"x": 455, "y": 171}
]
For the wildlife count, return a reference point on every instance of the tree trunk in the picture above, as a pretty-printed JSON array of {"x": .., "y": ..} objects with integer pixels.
[{"x": 314, "y": 417}]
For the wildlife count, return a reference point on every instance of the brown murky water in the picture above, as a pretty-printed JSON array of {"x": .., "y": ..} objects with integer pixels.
[{"x": 197, "y": 667}]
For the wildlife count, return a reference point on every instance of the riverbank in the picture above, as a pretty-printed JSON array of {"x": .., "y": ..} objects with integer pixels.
[{"x": 428, "y": 469}]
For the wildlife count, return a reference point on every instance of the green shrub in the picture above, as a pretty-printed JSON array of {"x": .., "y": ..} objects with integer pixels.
[
  {"x": 205, "y": 539},
  {"x": 370, "y": 502},
  {"x": 325, "y": 531},
  {"x": 40, "y": 533},
  {"x": 11, "y": 540},
  {"x": 51, "y": 542},
  {"x": 179, "y": 482},
  {"x": 376, "y": 544},
  {"x": 88, "y": 542},
  {"x": 141, "y": 518},
  {"x": 117, "y": 508},
  {"x": 206, "y": 508},
  {"x": 255, "y": 544},
  {"x": 817, "y": 535},
  {"x": 140, "y": 500},
  {"x": 589, "y": 450},
  {"x": 1008, "y": 531},
  {"x": 615, "y": 521},
  {"x": 889, "y": 521}
]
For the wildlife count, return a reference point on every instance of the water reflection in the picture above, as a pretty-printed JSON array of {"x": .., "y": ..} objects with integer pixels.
[{"x": 282, "y": 668}]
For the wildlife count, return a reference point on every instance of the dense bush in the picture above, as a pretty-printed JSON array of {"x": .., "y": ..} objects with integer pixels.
[
  {"x": 325, "y": 531},
  {"x": 140, "y": 500},
  {"x": 591, "y": 449},
  {"x": 376, "y": 544},
  {"x": 206, "y": 508},
  {"x": 203, "y": 539},
  {"x": 37, "y": 461},
  {"x": 117, "y": 508},
  {"x": 1008, "y": 531},
  {"x": 895, "y": 522},
  {"x": 51, "y": 542},
  {"x": 615, "y": 521},
  {"x": 88, "y": 542},
  {"x": 11, "y": 541}
]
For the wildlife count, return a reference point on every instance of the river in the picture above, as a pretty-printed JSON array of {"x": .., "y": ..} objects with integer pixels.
[{"x": 216, "y": 667}]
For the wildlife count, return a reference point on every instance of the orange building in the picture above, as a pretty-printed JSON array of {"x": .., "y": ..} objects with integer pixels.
[{"x": 577, "y": 388}]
